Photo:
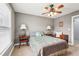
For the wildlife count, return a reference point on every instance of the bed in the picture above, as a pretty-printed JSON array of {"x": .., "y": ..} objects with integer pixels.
[{"x": 47, "y": 46}]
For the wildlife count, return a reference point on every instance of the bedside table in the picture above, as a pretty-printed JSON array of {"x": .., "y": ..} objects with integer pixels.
[
  {"x": 64, "y": 37},
  {"x": 23, "y": 39}
]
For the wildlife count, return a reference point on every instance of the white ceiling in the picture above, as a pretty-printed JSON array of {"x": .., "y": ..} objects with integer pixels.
[{"x": 37, "y": 8}]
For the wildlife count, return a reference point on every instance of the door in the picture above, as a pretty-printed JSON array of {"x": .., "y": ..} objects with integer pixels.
[{"x": 76, "y": 30}]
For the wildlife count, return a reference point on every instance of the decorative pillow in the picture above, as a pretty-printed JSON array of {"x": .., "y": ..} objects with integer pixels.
[
  {"x": 36, "y": 33},
  {"x": 39, "y": 33},
  {"x": 58, "y": 34}
]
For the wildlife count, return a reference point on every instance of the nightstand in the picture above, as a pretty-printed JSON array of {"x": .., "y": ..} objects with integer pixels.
[
  {"x": 64, "y": 37},
  {"x": 23, "y": 39}
]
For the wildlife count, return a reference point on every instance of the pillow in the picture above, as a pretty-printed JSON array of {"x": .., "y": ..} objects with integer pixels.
[
  {"x": 39, "y": 33},
  {"x": 58, "y": 34},
  {"x": 36, "y": 33}
]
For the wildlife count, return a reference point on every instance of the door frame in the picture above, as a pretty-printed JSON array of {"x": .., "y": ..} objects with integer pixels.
[{"x": 72, "y": 29}]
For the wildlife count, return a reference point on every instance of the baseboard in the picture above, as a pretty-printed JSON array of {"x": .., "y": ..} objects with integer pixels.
[
  {"x": 5, "y": 49},
  {"x": 11, "y": 51},
  {"x": 70, "y": 44},
  {"x": 18, "y": 44}
]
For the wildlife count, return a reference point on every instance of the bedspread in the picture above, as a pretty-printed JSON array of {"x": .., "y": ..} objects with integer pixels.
[{"x": 47, "y": 43}]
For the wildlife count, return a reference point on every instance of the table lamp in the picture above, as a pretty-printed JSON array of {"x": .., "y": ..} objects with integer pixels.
[
  {"x": 23, "y": 29},
  {"x": 48, "y": 29}
]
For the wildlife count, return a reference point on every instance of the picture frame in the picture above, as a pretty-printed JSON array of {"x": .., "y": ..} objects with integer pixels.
[{"x": 61, "y": 24}]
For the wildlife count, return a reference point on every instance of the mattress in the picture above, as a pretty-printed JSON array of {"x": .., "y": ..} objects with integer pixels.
[{"x": 47, "y": 44}]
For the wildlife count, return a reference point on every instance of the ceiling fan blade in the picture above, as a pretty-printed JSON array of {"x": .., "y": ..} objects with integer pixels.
[
  {"x": 46, "y": 8},
  {"x": 60, "y": 6},
  {"x": 45, "y": 13},
  {"x": 58, "y": 11}
]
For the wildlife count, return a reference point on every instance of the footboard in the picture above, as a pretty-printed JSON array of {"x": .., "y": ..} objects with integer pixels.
[{"x": 53, "y": 49}]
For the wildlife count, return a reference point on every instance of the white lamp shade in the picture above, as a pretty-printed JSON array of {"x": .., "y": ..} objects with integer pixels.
[
  {"x": 48, "y": 27},
  {"x": 23, "y": 26}
]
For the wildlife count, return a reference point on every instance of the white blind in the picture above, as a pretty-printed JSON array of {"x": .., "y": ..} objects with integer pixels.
[
  {"x": 4, "y": 39},
  {"x": 5, "y": 24}
]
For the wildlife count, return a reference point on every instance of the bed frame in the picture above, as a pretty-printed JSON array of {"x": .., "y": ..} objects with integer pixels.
[{"x": 58, "y": 53}]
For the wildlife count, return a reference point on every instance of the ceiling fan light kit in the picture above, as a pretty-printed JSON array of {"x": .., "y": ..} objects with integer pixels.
[{"x": 51, "y": 14}]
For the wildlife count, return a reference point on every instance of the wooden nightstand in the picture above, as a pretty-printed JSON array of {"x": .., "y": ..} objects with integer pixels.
[
  {"x": 23, "y": 39},
  {"x": 64, "y": 37}
]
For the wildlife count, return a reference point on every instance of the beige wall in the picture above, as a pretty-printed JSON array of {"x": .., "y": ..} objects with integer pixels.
[
  {"x": 66, "y": 29},
  {"x": 34, "y": 23}
]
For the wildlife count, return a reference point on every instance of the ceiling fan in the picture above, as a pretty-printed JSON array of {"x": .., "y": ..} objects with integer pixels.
[{"x": 53, "y": 10}]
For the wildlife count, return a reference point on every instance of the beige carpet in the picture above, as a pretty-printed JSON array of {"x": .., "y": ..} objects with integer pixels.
[
  {"x": 74, "y": 51},
  {"x": 22, "y": 51},
  {"x": 26, "y": 51}
]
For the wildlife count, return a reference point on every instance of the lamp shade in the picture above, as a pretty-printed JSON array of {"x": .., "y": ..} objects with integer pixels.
[
  {"x": 48, "y": 27},
  {"x": 23, "y": 26}
]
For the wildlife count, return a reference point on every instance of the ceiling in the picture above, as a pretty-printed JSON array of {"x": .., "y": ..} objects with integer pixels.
[{"x": 38, "y": 8}]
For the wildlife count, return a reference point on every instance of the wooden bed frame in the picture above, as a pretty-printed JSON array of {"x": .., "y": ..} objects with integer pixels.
[{"x": 58, "y": 53}]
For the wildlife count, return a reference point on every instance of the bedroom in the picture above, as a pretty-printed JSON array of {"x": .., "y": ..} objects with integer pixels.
[{"x": 30, "y": 15}]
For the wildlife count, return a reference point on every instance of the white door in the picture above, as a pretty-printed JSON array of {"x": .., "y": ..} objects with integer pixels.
[{"x": 76, "y": 30}]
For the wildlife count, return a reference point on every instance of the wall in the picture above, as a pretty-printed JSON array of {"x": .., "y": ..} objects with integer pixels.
[
  {"x": 66, "y": 29},
  {"x": 8, "y": 20},
  {"x": 34, "y": 23}
]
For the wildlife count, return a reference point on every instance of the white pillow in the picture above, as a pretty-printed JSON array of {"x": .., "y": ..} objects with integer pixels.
[
  {"x": 38, "y": 34},
  {"x": 58, "y": 34}
]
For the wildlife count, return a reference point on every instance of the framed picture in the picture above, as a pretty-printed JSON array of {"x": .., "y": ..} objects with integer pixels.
[{"x": 61, "y": 24}]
